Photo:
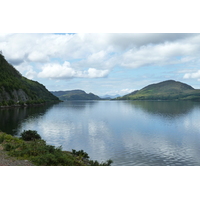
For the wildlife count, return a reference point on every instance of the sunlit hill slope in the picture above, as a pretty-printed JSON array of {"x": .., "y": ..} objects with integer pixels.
[{"x": 166, "y": 90}]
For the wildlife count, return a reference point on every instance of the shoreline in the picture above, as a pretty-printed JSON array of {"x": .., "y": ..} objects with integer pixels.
[
  {"x": 16, "y": 151},
  {"x": 25, "y": 105},
  {"x": 21, "y": 106}
]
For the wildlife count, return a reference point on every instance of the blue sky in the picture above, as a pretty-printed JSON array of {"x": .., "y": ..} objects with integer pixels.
[{"x": 113, "y": 63}]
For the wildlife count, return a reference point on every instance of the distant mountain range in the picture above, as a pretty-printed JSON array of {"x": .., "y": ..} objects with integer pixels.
[
  {"x": 166, "y": 90},
  {"x": 110, "y": 96},
  {"x": 75, "y": 95},
  {"x": 15, "y": 89}
]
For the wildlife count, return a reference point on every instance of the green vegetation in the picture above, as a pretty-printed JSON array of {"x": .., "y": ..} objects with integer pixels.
[
  {"x": 80, "y": 153},
  {"x": 30, "y": 135},
  {"x": 15, "y": 88},
  {"x": 36, "y": 150},
  {"x": 75, "y": 95},
  {"x": 166, "y": 90}
]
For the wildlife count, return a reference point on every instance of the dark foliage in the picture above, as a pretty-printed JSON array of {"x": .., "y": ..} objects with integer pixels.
[
  {"x": 30, "y": 135},
  {"x": 80, "y": 153}
]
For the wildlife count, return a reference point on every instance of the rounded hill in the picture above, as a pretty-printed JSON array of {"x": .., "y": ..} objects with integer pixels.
[
  {"x": 166, "y": 90},
  {"x": 168, "y": 86}
]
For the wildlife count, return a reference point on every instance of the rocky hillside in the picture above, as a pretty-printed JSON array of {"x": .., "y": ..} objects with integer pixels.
[
  {"x": 75, "y": 95},
  {"x": 15, "y": 88},
  {"x": 166, "y": 90}
]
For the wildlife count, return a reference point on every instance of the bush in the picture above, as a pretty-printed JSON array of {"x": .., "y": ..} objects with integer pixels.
[
  {"x": 11, "y": 102},
  {"x": 9, "y": 147},
  {"x": 96, "y": 163},
  {"x": 54, "y": 159},
  {"x": 4, "y": 103},
  {"x": 30, "y": 135},
  {"x": 83, "y": 155},
  {"x": 2, "y": 136},
  {"x": 80, "y": 153}
]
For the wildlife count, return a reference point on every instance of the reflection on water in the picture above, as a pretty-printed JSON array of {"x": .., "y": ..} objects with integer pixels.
[
  {"x": 166, "y": 108},
  {"x": 11, "y": 118},
  {"x": 128, "y": 132}
]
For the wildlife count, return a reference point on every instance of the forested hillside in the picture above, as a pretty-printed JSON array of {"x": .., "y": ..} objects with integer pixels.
[{"x": 14, "y": 88}]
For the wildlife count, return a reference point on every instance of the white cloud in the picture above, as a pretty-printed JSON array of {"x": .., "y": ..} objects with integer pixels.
[
  {"x": 57, "y": 71},
  {"x": 101, "y": 51},
  {"x": 95, "y": 57},
  {"x": 194, "y": 75},
  {"x": 94, "y": 47},
  {"x": 126, "y": 91},
  {"x": 160, "y": 54},
  {"x": 24, "y": 67},
  {"x": 95, "y": 73},
  {"x": 31, "y": 74},
  {"x": 37, "y": 56},
  {"x": 124, "y": 41}
]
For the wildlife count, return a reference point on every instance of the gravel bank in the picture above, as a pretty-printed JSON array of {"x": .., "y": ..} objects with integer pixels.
[{"x": 6, "y": 160}]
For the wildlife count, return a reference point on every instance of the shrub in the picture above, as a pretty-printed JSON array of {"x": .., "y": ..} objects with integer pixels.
[
  {"x": 30, "y": 135},
  {"x": 80, "y": 153},
  {"x": 4, "y": 103},
  {"x": 53, "y": 159},
  {"x": 8, "y": 147},
  {"x": 96, "y": 163},
  {"x": 107, "y": 163},
  {"x": 83, "y": 155},
  {"x": 2, "y": 136},
  {"x": 11, "y": 102}
]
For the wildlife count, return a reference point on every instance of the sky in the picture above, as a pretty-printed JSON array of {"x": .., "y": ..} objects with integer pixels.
[{"x": 104, "y": 63}]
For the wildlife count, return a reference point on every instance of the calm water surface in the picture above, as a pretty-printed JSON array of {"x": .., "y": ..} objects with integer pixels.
[{"x": 128, "y": 132}]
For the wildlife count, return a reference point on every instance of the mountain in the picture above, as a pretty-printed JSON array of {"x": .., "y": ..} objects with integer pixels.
[
  {"x": 166, "y": 90},
  {"x": 75, "y": 95},
  {"x": 110, "y": 96},
  {"x": 15, "y": 88}
]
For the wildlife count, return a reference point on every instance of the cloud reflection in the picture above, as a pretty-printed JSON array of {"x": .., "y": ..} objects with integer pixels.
[{"x": 130, "y": 133}]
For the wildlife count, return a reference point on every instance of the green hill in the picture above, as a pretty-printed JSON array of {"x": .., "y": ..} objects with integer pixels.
[
  {"x": 166, "y": 90},
  {"x": 15, "y": 88},
  {"x": 75, "y": 95}
]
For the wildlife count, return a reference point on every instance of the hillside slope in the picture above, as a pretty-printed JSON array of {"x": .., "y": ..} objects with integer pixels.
[
  {"x": 16, "y": 88},
  {"x": 75, "y": 95},
  {"x": 166, "y": 90}
]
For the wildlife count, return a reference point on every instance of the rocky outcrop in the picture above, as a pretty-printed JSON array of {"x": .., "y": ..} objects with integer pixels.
[{"x": 15, "y": 95}]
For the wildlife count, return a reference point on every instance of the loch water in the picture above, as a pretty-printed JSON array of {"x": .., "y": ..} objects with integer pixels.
[{"x": 131, "y": 133}]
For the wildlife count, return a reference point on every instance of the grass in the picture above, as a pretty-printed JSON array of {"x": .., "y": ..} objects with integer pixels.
[{"x": 42, "y": 154}]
